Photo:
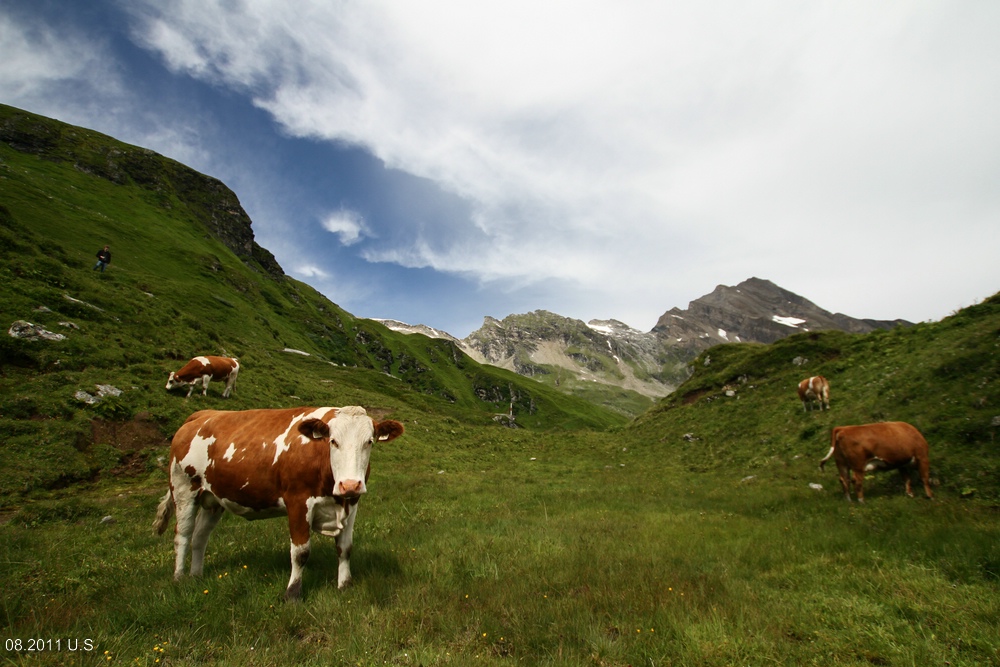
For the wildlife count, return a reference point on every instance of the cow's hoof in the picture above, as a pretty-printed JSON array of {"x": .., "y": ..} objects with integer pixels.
[{"x": 294, "y": 592}]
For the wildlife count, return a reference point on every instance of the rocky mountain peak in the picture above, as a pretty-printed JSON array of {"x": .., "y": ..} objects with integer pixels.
[
  {"x": 755, "y": 310},
  {"x": 571, "y": 354}
]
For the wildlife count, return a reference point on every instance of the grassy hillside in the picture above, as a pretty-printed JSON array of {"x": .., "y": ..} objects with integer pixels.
[
  {"x": 186, "y": 279},
  {"x": 942, "y": 377}
]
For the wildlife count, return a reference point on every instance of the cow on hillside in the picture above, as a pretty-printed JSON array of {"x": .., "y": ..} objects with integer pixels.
[
  {"x": 814, "y": 389},
  {"x": 881, "y": 446},
  {"x": 309, "y": 464},
  {"x": 204, "y": 370}
]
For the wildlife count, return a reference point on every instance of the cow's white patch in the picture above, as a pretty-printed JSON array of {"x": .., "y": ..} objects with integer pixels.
[
  {"x": 228, "y": 456},
  {"x": 876, "y": 464},
  {"x": 197, "y": 455},
  {"x": 283, "y": 442},
  {"x": 326, "y": 515}
]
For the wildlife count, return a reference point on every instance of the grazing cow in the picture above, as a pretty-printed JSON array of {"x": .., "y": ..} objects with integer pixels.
[
  {"x": 204, "y": 370},
  {"x": 881, "y": 446},
  {"x": 309, "y": 464},
  {"x": 815, "y": 389}
]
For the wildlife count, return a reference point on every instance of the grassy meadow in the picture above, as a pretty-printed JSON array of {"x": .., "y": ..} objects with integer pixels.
[
  {"x": 691, "y": 535},
  {"x": 490, "y": 546}
]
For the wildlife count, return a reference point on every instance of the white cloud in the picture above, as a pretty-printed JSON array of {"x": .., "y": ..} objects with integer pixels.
[
  {"x": 310, "y": 271},
  {"x": 642, "y": 152},
  {"x": 39, "y": 59},
  {"x": 347, "y": 224}
]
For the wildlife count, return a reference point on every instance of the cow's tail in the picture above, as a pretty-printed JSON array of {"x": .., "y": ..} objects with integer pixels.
[
  {"x": 833, "y": 446},
  {"x": 163, "y": 513}
]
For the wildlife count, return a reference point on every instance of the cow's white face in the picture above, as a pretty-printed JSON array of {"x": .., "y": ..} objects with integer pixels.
[
  {"x": 172, "y": 382},
  {"x": 352, "y": 435}
]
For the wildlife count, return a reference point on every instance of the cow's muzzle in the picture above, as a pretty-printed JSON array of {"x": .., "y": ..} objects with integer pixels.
[{"x": 350, "y": 488}]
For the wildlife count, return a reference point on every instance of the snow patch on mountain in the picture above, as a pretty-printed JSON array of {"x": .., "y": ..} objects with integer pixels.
[{"x": 793, "y": 322}]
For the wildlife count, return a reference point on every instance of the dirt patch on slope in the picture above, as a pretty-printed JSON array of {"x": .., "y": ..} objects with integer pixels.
[{"x": 131, "y": 436}]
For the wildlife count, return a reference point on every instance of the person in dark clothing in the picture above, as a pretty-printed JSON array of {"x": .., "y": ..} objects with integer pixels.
[{"x": 103, "y": 259}]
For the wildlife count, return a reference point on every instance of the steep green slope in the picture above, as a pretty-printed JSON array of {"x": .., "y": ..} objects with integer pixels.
[
  {"x": 186, "y": 279},
  {"x": 740, "y": 409}
]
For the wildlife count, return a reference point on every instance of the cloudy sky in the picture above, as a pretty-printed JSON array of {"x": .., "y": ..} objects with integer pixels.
[{"x": 439, "y": 161}]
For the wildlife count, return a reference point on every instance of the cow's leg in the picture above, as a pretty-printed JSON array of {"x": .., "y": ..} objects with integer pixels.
[
  {"x": 904, "y": 472},
  {"x": 205, "y": 522},
  {"x": 924, "y": 468},
  {"x": 298, "y": 528},
  {"x": 190, "y": 388},
  {"x": 345, "y": 542},
  {"x": 843, "y": 473},
  {"x": 205, "y": 379},
  {"x": 859, "y": 484},
  {"x": 186, "y": 508},
  {"x": 230, "y": 383}
]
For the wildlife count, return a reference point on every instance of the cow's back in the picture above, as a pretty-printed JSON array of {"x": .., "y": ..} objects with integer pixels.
[
  {"x": 252, "y": 457},
  {"x": 890, "y": 441},
  {"x": 221, "y": 367},
  {"x": 217, "y": 367},
  {"x": 266, "y": 430}
]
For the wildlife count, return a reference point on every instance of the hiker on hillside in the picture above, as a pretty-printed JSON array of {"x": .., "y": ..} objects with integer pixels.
[{"x": 103, "y": 259}]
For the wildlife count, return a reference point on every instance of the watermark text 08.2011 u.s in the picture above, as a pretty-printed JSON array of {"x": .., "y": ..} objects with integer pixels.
[{"x": 47, "y": 645}]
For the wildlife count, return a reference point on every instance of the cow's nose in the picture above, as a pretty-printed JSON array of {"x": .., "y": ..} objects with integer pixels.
[{"x": 350, "y": 488}]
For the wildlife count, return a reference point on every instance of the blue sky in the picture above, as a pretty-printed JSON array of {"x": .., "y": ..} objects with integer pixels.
[{"x": 439, "y": 161}]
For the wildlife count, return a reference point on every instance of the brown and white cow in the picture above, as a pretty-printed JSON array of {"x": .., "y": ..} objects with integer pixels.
[
  {"x": 204, "y": 370},
  {"x": 814, "y": 389},
  {"x": 309, "y": 464},
  {"x": 880, "y": 446}
]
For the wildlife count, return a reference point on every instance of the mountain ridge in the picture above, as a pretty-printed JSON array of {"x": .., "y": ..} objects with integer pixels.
[{"x": 568, "y": 352}]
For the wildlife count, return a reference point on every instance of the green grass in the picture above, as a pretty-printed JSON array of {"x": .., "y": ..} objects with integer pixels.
[
  {"x": 690, "y": 536},
  {"x": 467, "y": 551}
]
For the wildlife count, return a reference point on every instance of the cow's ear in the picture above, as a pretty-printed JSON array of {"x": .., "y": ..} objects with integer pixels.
[
  {"x": 390, "y": 429},
  {"x": 315, "y": 429}
]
